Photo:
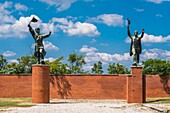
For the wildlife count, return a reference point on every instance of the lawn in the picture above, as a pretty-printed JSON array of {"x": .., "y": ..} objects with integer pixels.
[
  {"x": 15, "y": 102},
  {"x": 158, "y": 100}
]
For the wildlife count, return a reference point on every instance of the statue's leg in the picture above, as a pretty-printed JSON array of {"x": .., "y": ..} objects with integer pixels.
[
  {"x": 42, "y": 56},
  {"x": 38, "y": 56},
  {"x": 137, "y": 58},
  {"x": 134, "y": 56}
]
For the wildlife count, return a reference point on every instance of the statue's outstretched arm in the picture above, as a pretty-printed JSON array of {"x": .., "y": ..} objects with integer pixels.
[
  {"x": 31, "y": 30},
  {"x": 46, "y": 35},
  {"x": 128, "y": 31},
  {"x": 143, "y": 31}
]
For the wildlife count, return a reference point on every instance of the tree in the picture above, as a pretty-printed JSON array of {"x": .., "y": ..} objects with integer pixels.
[
  {"x": 14, "y": 68},
  {"x": 97, "y": 68},
  {"x": 3, "y": 63},
  {"x": 57, "y": 67},
  {"x": 156, "y": 66},
  {"x": 76, "y": 63},
  {"x": 24, "y": 65},
  {"x": 117, "y": 69}
]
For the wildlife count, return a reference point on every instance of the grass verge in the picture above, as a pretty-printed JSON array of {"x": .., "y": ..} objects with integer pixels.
[
  {"x": 15, "y": 102},
  {"x": 158, "y": 100}
]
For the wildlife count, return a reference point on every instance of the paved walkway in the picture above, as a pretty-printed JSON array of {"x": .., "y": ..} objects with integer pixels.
[{"x": 87, "y": 106}]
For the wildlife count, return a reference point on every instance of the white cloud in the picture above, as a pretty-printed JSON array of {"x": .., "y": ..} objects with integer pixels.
[
  {"x": 151, "y": 39},
  {"x": 155, "y": 54},
  {"x": 46, "y": 27},
  {"x": 62, "y": 21},
  {"x": 139, "y": 10},
  {"x": 7, "y": 19},
  {"x": 9, "y": 54},
  {"x": 6, "y": 9},
  {"x": 20, "y": 7},
  {"x": 50, "y": 59},
  {"x": 61, "y": 5},
  {"x": 5, "y": 13},
  {"x": 6, "y": 4},
  {"x": 108, "y": 19},
  {"x": 11, "y": 27},
  {"x": 17, "y": 29},
  {"x": 87, "y": 67},
  {"x": 158, "y": 1},
  {"x": 49, "y": 46},
  {"x": 82, "y": 29},
  {"x": 87, "y": 50},
  {"x": 13, "y": 61},
  {"x": 92, "y": 55},
  {"x": 77, "y": 28}
]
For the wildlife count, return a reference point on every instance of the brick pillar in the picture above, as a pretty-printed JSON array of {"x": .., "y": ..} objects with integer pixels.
[
  {"x": 40, "y": 83},
  {"x": 136, "y": 86}
]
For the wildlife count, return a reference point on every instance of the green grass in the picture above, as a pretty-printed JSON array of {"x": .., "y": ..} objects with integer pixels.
[
  {"x": 158, "y": 100},
  {"x": 15, "y": 102}
]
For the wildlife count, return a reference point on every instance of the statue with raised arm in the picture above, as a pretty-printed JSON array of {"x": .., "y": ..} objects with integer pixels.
[
  {"x": 136, "y": 46},
  {"x": 39, "y": 47}
]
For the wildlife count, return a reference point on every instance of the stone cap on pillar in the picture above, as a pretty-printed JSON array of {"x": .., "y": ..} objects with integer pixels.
[
  {"x": 43, "y": 65},
  {"x": 137, "y": 66},
  {"x": 128, "y": 75}
]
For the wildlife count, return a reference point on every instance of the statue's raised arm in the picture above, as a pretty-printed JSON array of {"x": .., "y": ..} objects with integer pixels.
[
  {"x": 128, "y": 28},
  {"x": 143, "y": 31},
  {"x": 31, "y": 30},
  {"x": 46, "y": 35}
]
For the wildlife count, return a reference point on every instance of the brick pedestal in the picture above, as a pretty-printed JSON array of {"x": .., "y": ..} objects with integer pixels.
[
  {"x": 40, "y": 83},
  {"x": 136, "y": 86}
]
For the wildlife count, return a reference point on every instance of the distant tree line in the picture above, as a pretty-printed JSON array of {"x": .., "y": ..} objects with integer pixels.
[{"x": 75, "y": 66}]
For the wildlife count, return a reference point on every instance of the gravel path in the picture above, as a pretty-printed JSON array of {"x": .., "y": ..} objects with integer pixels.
[{"x": 84, "y": 106}]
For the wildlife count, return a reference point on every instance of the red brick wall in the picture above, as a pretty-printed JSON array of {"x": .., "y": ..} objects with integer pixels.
[
  {"x": 15, "y": 86},
  {"x": 157, "y": 86},
  {"x": 91, "y": 87},
  {"x": 83, "y": 86}
]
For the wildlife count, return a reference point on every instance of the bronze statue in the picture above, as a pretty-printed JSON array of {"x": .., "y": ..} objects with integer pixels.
[
  {"x": 136, "y": 46},
  {"x": 39, "y": 47}
]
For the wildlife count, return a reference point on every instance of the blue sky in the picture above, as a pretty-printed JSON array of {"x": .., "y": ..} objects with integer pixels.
[{"x": 95, "y": 28}]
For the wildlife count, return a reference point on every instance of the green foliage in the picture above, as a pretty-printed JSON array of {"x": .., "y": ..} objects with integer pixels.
[
  {"x": 57, "y": 67},
  {"x": 24, "y": 65},
  {"x": 13, "y": 68},
  {"x": 117, "y": 69},
  {"x": 3, "y": 63},
  {"x": 97, "y": 68},
  {"x": 75, "y": 66},
  {"x": 156, "y": 66},
  {"x": 76, "y": 63}
]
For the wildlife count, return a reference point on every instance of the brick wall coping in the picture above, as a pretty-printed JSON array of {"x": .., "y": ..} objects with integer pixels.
[
  {"x": 66, "y": 75},
  {"x": 29, "y": 74}
]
